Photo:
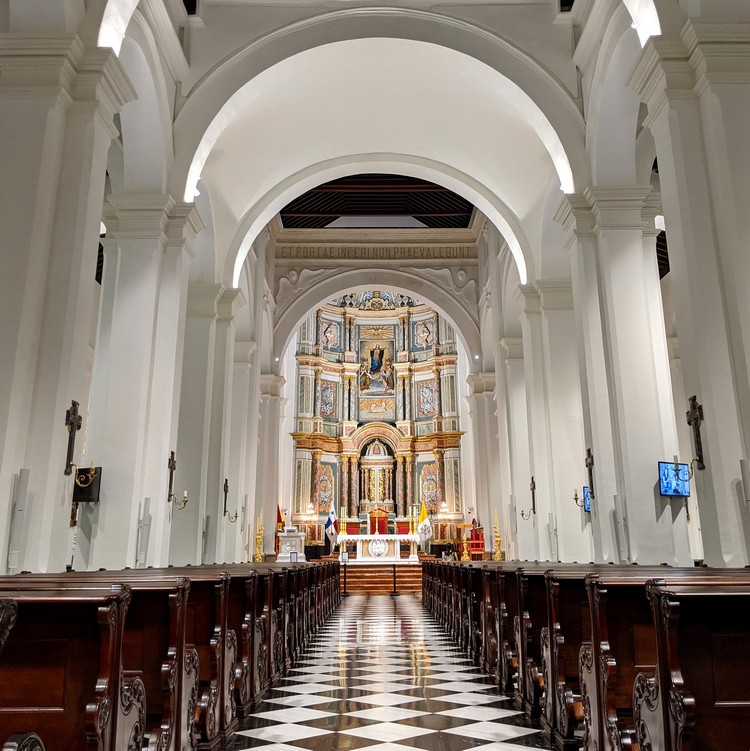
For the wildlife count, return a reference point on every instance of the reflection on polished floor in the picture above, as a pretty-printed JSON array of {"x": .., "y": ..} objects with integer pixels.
[{"x": 382, "y": 675}]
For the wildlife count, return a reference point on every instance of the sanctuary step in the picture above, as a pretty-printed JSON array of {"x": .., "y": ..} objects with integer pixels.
[{"x": 378, "y": 579}]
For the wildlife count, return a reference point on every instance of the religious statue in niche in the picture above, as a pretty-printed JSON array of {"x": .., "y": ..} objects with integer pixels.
[
  {"x": 424, "y": 334},
  {"x": 428, "y": 485},
  {"x": 327, "y": 399},
  {"x": 330, "y": 335},
  {"x": 427, "y": 399},
  {"x": 376, "y": 374}
]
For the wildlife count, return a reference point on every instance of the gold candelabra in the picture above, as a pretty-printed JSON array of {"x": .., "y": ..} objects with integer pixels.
[
  {"x": 258, "y": 557},
  {"x": 497, "y": 553},
  {"x": 465, "y": 555}
]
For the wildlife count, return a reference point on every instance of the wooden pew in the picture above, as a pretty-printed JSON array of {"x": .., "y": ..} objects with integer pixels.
[
  {"x": 8, "y": 613},
  {"x": 23, "y": 742},
  {"x": 699, "y": 697},
  {"x": 61, "y": 672},
  {"x": 154, "y": 647},
  {"x": 624, "y": 645}
]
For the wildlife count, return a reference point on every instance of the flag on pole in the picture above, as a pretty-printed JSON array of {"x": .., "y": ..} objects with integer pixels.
[
  {"x": 424, "y": 527},
  {"x": 332, "y": 527}
]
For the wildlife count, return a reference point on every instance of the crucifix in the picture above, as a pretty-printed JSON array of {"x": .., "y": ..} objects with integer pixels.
[
  {"x": 694, "y": 418},
  {"x": 532, "y": 488},
  {"x": 589, "y": 461},
  {"x": 171, "y": 466},
  {"x": 226, "y": 493},
  {"x": 73, "y": 424}
]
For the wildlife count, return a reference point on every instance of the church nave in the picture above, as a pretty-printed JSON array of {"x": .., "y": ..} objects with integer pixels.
[{"x": 382, "y": 675}]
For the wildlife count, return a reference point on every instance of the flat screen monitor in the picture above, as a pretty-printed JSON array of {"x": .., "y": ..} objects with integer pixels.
[
  {"x": 586, "y": 498},
  {"x": 674, "y": 480}
]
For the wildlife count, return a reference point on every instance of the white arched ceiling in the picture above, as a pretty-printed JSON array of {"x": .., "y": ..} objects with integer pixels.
[
  {"x": 613, "y": 118},
  {"x": 645, "y": 18},
  {"x": 435, "y": 296},
  {"x": 145, "y": 121},
  {"x": 511, "y": 76},
  {"x": 271, "y": 203},
  {"x": 379, "y": 97}
]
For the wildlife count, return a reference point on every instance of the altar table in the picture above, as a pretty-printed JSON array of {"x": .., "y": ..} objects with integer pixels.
[{"x": 380, "y": 548}]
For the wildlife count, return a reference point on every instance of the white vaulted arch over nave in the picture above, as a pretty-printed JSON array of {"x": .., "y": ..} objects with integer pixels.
[{"x": 562, "y": 183}]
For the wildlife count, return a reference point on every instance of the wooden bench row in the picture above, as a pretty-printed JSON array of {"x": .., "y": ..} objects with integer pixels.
[
  {"x": 608, "y": 657},
  {"x": 158, "y": 659}
]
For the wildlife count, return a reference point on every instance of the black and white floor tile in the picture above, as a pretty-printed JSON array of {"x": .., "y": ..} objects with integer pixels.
[{"x": 381, "y": 675}]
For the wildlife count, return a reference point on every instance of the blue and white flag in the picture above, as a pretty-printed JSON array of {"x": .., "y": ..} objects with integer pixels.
[{"x": 332, "y": 527}]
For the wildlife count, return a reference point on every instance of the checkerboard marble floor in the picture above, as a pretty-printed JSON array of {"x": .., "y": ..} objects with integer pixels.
[{"x": 382, "y": 675}]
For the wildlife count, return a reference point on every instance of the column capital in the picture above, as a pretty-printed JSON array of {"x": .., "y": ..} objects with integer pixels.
[
  {"x": 271, "y": 384},
  {"x": 202, "y": 299},
  {"x": 481, "y": 383},
  {"x": 243, "y": 353},
  {"x": 229, "y": 303},
  {"x": 528, "y": 297},
  {"x": 183, "y": 226},
  {"x": 618, "y": 208},
  {"x": 574, "y": 215},
  {"x": 512, "y": 347},
  {"x": 555, "y": 294},
  {"x": 137, "y": 216}
]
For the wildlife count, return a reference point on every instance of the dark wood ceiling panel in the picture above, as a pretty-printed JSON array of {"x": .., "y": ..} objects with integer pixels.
[{"x": 378, "y": 195}]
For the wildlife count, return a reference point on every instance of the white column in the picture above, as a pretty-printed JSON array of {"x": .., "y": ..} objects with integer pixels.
[
  {"x": 123, "y": 381},
  {"x": 267, "y": 489},
  {"x": 57, "y": 124},
  {"x": 540, "y": 449},
  {"x": 486, "y": 448},
  {"x": 239, "y": 453},
  {"x": 565, "y": 417},
  {"x": 706, "y": 301},
  {"x": 576, "y": 217},
  {"x": 193, "y": 437},
  {"x": 515, "y": 383},
  {"x": 164, "y": 399},
  {"x": 640, "y": 386},
  {"x": 227, "y": 305}
]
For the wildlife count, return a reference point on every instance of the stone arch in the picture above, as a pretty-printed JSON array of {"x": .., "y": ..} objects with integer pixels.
[
  {"x": 612, "y": 124},
  {"x": 540, "y": 98},
  {"x": 370, "y": 431},
  {"x": 337, "y": 283},
  {"x": 496, "y": 211},
  {"x": 145, "y": 121}
]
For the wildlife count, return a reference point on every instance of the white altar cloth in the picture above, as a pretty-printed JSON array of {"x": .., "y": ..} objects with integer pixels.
[{"x": 381, "y": 548}]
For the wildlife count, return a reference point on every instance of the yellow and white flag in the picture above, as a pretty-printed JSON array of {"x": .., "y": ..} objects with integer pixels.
[{"x": 424, "y": 527}]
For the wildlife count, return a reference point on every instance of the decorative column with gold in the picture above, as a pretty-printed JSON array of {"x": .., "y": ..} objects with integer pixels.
[
  {"x": 316, "y": 455},
  {"x": 318, "y": 374},
  {"x": 346, "y": 385},
  {"x": 344, "y": 464},
  {"x": 400, "y": 510},
  {"x": 438, "y": 400},
  {"x": 409, "y": 480},
  {"x": 353, "y": 475},
  {"x": 438, "y": 453}
]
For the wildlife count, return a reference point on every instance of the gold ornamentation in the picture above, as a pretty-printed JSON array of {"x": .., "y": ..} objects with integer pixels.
[
  {"x": 376, "y": 332},
  {"x": 465, "y": 555},
  {"x": 258, "y": 557}
]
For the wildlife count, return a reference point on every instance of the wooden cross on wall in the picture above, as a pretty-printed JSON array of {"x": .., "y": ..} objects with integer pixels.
[
  {"x": 226, "y": 493},
  {"x": 73, "y": 424},
  {"x": 532, "y": 488},
  {"x": 589, "y": 461},
  {"x": 694, "y": 418},
  {"x": 171, "y": 466}
]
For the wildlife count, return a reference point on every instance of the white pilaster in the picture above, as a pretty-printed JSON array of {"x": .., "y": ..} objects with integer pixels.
[
  {"x": 267, "y": 490},
  {"x": 486, "y": 448},
  {"x": 122, "y": 379},
  {"x": 58, "y": 103},
  {"x": 540, "y": 450},
  {"x": 524, "y": 530},
  {"x": 193, "y": 437},
  {"x": 565, "y": 416},
  {"x": 708, "y": 318}
]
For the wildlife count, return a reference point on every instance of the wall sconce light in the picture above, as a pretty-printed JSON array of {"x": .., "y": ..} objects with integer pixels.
[
  {"x": 232, "y": 519},
  {"x": 171, "y": 497},
  {"x": 526, "y": 515}
]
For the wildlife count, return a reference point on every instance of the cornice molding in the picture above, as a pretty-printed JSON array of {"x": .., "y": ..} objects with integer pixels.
[
  {"x": 555, "y": 294},
  {"x": 512, "y": 347},
  {"x": 202, "y": 298}
]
